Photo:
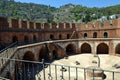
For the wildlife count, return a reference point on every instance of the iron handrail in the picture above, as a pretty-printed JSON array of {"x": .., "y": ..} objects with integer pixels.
[{"x": 8, "y": 47}]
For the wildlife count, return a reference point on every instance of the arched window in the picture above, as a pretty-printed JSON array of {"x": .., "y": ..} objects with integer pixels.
[
  {"x": 94, "y": 35},
  {"x": 85, "y": 35},
  {"x": 51, "y": 36},
  {"x": 34, "y": 38},
  {"x": 14, "y": 39},
  {"x": 26, "y": 39},
  {"x": 68, "y": 36},
  {"x": 60, "y": 36},
  {"x": 105, "y": 35}
]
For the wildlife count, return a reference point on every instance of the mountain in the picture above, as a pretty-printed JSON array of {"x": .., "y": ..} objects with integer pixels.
[{"x": 42, "y": 13}]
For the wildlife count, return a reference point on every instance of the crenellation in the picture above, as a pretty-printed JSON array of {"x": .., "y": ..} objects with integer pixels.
[
  {"x": 38, "y": 25},
  {"x": 54, "y": 25},
  {"x": 31, "y": 25},
  {"x": 24, "y": 24},
  {"x": 46, "y": 26},
  {"x": 73, "y": 25},
  {"x": 4, "y": 23},
  {"x": 14, "y": 23},
  {"x": 61, "y": 25},
  {"x": 67, "y": 25}
]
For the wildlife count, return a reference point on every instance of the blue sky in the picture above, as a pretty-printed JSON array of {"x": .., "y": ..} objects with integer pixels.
[{"x": 88, "y": 3}]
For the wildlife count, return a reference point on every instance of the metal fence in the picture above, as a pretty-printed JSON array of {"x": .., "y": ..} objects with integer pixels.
[{"x": 32, "y": 70}]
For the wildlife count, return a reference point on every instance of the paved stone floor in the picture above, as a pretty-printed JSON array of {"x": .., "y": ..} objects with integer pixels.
[{"x": 106, "y": 62}]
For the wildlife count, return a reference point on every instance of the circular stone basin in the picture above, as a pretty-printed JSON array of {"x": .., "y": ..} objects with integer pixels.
[{"x": 94, "y": 71}]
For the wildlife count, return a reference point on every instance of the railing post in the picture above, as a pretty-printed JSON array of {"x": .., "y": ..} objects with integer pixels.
[
  {"x": 43, "y": 63},
  {"x": 113, "y": 75},
  {"x": 84, "y": 74},
  {"x": 93, "y": 74}
]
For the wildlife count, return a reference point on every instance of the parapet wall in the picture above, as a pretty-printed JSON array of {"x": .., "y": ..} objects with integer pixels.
[
  {"x": 19, "y": 24},
  {"x": 108, "y": 24}
]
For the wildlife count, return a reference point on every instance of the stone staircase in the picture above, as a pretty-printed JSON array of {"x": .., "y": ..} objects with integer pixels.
[{"x": 5, "y": 55}]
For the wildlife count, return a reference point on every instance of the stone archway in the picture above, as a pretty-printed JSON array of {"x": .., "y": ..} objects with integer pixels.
[
  {"x": 28, "y": 56},
  {"x": 43, "y": 53},
  {"x": 102, "y": 48},
  {"x": 117, "y": 49},
  {"x": 85, "y": 48},
  {"x": 70, "y": 49}
]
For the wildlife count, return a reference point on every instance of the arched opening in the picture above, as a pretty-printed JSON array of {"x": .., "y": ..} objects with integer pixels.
[
  {"x": 85, "y": 35},
  {"x": 68, "y": 36},
  {"x": 94, "y": 35},
  {"x": 55, "y": 55},
  {"x": 26, "y": 39},
  {"x": 70, "y": 49},
  {"x": 43, "y": 54},
  {"x": 34, "y": 38},
  {"x": 105, "y": 35},
  {"x": 60, "y": 36},
  {"x": 14, "y": 39},
  {"x": 24, "y": 69},
  {"x": 28, "y": 56},
  {"x": 117, "y": 49},
  {"x": 102, "y": 48},
  {"x": 85, "y": 48},
  {"x": 51, "y": 36}
]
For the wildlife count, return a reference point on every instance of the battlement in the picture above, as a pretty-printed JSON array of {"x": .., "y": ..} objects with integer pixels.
[
  {"x": 108, "y": 24},
  {"x": 19, "y": 24}
]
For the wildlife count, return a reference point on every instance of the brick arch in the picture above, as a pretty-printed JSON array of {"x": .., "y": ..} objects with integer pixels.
[
  {"x": 43, "y": 53},
  {"x": 102, "y": 48},
  {"x": 70, "y": 49},
  {"x": 85, "y": 48},
  {"x": 28, "y": 56},
  {"x": 117, "y": 49}
]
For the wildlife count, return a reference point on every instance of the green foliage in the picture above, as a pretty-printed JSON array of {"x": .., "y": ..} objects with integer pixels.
[{"x": 43, "y": 13}]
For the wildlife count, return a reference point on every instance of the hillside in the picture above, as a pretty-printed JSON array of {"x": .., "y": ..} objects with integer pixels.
[{"x": 43, "y": 13}]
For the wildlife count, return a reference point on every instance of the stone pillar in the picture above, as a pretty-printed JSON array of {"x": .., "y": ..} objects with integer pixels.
[
  {"x": 94, "y": 48},
  {"x": 111, "y": 48},
  {"x": 10, "y": 23},
  {"x": 28, "y": 25},
  {"x": 34, "y": 24},
  {"x": 20, "y": 24}
]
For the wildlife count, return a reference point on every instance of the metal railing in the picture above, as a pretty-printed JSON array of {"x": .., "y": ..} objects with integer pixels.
[
  {"x": 2, "y": 78},
  {"x": 11, "y": 45},
  {"x": 32, "y": 70}
]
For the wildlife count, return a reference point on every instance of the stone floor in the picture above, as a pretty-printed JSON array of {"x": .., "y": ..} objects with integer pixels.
[{"x": 107, "y": 62}]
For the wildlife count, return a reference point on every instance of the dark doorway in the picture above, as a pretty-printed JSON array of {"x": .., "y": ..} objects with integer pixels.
[
  {"x": 85, "y": 48},
  {"x": 102, "y": 48},
  {"x": 55, "y": 55},
  {"x": 70, "y": 49},
  {"x": 94, "y": 35},
  {"x": 43, "y": 54},
  {"x": 34, "y": 38},
  {"x": 14, "y": 39},
  {"x": 28, "y": 56},
  {"x": 51, "y": 36},
  {"x": 60, "y": 36},
  {"x": 68, "y": 36},
  {"x": 85, "y": 35},
  {"x": 117, "y": 49},
  {"x": 26, "y": 39}
]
